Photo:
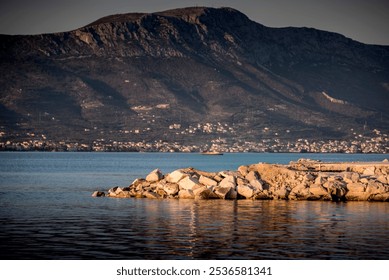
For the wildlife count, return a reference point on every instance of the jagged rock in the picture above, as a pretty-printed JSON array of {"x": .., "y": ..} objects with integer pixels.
[
  {"x": 282, "y": 193},
  {"x": 382, "y": 179},
  {"x": 243, "y": 170},
  {"x": 152, "y": 195},
  {"x": 171, "y": 189},
  {"x": 123, "y": 194},
  {"x": 207, "y": 181},
  {"x": 309, "y": 177},
  {"x": 98, "y": 194},
  {"x": 232, "y": 194},
  {"x": 245, "y": 190},
  {"x": 356, "y": 191},
  {"x": 262, "y": 196},
  {"x": 379, "y": 197},
  {"x": 222, "y": 191},
  {"x": 252, "y": 175},
  {"x": 175, "y": 176},
  {"x": 228, "y": 182},
  {"x": 186, "y": 194},
  {"x": 276, "y": 182},
  {"x": 369, "y": 171},
  {"x": 154, "y": 176},
  {"x": 336, "y": 189},
  {"x": 318, "y": 190},
  {"x": 299, "y": 192},
  {"x": 257, "y": 185},
  {"x": 188, "y": 183},
  {"x": 321, "y": 179}
]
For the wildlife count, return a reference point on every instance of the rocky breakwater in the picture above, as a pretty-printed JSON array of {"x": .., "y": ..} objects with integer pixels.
[{"x": 301, "y": 180}]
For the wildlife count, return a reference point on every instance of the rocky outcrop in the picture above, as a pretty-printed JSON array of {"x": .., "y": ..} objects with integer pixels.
[{"x": 301, "y": 180}]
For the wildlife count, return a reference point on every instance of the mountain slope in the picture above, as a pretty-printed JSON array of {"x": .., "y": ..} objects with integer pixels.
[{"x": 132, "y": 76}]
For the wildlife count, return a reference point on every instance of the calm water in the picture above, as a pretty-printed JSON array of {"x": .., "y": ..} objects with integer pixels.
[{"x": 47, "y": 212}]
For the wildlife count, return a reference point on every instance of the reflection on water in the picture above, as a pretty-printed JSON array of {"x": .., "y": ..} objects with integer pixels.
[{"x": 187, "y": 229}]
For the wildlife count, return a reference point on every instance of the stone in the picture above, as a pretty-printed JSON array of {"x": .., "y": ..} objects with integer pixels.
[
  {"x": 282, "y": 193},
  {"x": 356, "y": 187},
  {"x": 257, "y": 185},
  {"x": 262, "y": 196},
  {"x": 244, "y": 170},
  {"x": 202, "y": 192},
  {"x": 175, "y": 176},
  {"x": 222, "y": 191},
  {"x": 228, "y": 182},
  {"x": 309, "y": 177},
  {"x": 112, "y": 190},
  {"x": 232, "y": 194},
  {"x": 320, "y": 180},
  {"x": 299, "y": 192},
  {"x": 123, "y": 194},
  {"x": 218, "y": 178},
  {"x": 154, "y": 176},
  {"x": 185, "y": 194},
  {"x": 317, "y": 190},
  {"x": 356, "y": 191},
  {"x": 245, "y": 190},
  {"x": 207, "y": 181},
  {"x": 152, "y": 195},
  {"x": 382, "y": 179},
  {"x": 188, "y": 183},
  {"x": 252, "y": 175},
  {"x": 171, "y": 189},
  {"x": 98, "y": 194},
  {"x": 369, "y": 171}
]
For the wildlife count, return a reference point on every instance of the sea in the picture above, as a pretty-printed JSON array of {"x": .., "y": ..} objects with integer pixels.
[{"x": 47, "y": 212}]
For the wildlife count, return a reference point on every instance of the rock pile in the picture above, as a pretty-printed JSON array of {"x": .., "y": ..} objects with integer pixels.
[{"x": 302, "y": 180}]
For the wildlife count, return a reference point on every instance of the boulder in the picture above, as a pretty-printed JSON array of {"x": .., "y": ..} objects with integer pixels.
[
  {"x": 252, "y": 175},
  {"x": 171, "y": 189},
  {"x": 154, "y": 176},
  {"x": 382, "y": 179},
  {"x": 228, "y": 182},
  {"x": 337, "y": 190},
  {"x": 175, "y": 176},
  {"x": 369, "y": 171},
  {"x": 356, "y": 191},
  {"x": 356, "y": 187},
  {"x": 318, "y": 190},
  {"x": 245, "y": 190},
  {"x": 207, "y": 181},
  {"x": 232, "y": 194},
  {"x": 202, "y": 192},
  {"x": 299, "y": 192},
  {"x": 320, "y": 179},
  {"x": 308, "y": 177},
  {"x": 123, "y": 194},
  {"x": 188, "y": 183},
  {"x": 152, "y": 195},
  {"x": 262, "y": 196},
  {"x": 244, "y": 170},
  {"x": 98, "y": 194},
  {"x": 222, "y": 192},
  {"x": 282, "y": 193},
  {"x": 257, "y": 185},
  {"x": 185, "y": 194}
]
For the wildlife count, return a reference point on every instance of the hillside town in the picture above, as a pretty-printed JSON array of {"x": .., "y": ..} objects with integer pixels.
[{"x": 373, "y": 142}]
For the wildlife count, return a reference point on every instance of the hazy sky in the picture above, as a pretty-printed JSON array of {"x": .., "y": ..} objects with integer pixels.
[{"x": 362, "y": 20}]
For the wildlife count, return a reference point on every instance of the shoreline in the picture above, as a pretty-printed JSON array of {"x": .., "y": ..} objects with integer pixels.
[{"x": 304, "y": 179}]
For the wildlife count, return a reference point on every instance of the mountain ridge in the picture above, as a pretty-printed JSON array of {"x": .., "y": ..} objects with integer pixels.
[{"x": 207, "y": 64}]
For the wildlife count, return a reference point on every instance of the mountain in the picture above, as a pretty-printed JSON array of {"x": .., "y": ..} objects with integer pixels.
[{"x": 191, "y": 75}]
